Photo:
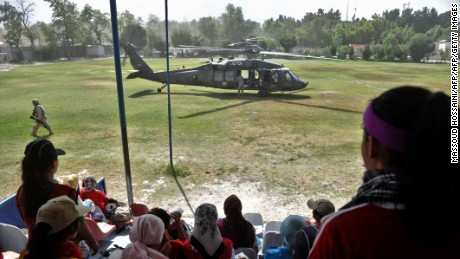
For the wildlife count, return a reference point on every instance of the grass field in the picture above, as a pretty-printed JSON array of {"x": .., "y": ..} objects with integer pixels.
[{"x": 289, "y": 145}]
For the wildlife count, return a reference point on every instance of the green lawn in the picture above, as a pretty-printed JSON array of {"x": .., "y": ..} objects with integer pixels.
[{"x": 305, "y": 142}]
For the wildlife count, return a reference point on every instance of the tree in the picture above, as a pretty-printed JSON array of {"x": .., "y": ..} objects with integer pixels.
[
  {"x": 288, "y": 42},
  {"x": 420, "y": 46},
  {"x": 134, "y": 34},
  {"x": 208, "y": 27},
  {"x": 97, "y": 23},
  {"x": 181, "y": 37},
  {"x": 26, "y": 11},
  {"x": 233, "y": 23},
  {"x": 66, "y": 18},
  {"x": 11, "y": 19},
  {"x": 367, "y": 52}
]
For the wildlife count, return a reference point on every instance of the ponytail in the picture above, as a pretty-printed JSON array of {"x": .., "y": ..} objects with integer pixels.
[
  {"x": 34, "y": 176},
  {"x": 430, "y": 181}
]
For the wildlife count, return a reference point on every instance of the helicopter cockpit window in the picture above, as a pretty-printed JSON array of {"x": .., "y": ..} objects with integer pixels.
[
  {"x": 293, "y": 76},
  {"x": 286, "y": 76}
]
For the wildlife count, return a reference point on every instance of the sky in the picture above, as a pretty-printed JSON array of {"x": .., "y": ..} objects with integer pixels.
[{"x": 256, "y": 10}]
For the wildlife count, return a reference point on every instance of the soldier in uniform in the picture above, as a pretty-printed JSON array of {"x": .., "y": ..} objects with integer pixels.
[{"x": 38, "y": 114}]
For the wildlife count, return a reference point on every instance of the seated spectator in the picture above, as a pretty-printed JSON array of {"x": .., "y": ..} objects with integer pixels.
[
  {"x": 302, "y": 241},
  {"x": 178, "y": 228},
  {"x": 99, "y": 198},
  {"x": 206, "y": 241},
  {"x": 406, "y": 154},
  {"x": 146, "y": 235},
  {"x": 72, "y": 181},
  {"x": 39, "y": 166},
  {"x": 57, "y": 224},
  {"x": 175, "y": 232},
  {"x": 235, "y": 227},
  {"x": 289, "y": 227}
]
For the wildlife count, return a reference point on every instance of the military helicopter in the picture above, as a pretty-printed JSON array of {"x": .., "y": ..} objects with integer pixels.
[{"x": 260, "y": 75}]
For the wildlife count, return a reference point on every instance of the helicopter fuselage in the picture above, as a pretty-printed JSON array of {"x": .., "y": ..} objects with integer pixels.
[{"x": 257, "y": 75}]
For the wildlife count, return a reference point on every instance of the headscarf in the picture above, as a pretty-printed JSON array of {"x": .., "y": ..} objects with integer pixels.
[
  {"x": 236, "y": 222},
  {"x": 146, "y": 230},
  {"x": 205, "y": 231}
]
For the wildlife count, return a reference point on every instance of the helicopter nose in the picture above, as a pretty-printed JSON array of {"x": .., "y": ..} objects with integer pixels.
[{"x": 302, "y": 84}]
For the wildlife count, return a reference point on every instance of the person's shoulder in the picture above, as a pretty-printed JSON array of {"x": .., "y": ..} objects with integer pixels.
[{"x": 227, "y": 242}]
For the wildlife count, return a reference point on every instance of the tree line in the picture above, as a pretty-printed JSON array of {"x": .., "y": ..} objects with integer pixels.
[{"x": 393, "y": 35}]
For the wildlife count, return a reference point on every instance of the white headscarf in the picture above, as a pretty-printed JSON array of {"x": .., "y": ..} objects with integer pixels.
[
  {"x": 146, "y": 230},
  {"x": 206, "y": 230}
]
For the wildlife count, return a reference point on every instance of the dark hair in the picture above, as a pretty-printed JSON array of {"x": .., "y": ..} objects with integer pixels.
[
  {"x": 400, "y": 107},
  {"x": 36, "y": 164},
  {"x": 42, "y": 245},
  {"x": 162, "y": 214},
  {"x": 430, "y": 180}
]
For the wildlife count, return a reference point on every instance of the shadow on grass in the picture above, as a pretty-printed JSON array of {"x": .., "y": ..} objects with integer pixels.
[
  {"x": 322, "y": 107},
  {"x": 231, "y": 95}
]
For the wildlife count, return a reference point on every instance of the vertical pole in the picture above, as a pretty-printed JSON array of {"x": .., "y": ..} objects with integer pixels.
[
  {"x": 169, "y": 92},
  {"x": 121, "y": 103}
]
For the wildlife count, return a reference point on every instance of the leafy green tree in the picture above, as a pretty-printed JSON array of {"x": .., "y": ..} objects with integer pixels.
[
  {"x": 390, "y": 44},
  {"x": 97, "y": 22},
  {"x": 342, "y": 52},
  {"x": 367, "y": 52},
  {"x": 379, "y": 52},
  {"x": 11, "y": 19},
  {"x": 181, "y": 37},
  {"x": 134, "y": 34},
  {"x": 65, "y": 18},
  {"x": 233, "y": 23},
  {"x": 208, "y": 28},
  {"x": 424, "y": 19},
  {"x": 26, "y": 10},
  {"x": 288, "y": 42},
  {"x": 420, "y": 46},
  {"x": 351, "y": 52}
]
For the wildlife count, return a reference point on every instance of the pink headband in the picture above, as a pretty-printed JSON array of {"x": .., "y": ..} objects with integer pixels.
[{"x": 388, "y": 135}]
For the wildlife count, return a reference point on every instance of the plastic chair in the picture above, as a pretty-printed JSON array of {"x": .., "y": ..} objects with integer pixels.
[
  {"x": 257, "y": 221},
  {"x": 100, "y": 230},
  {"x": 248, "y": 252},
  {"x": 271, "y": 238},
  {"x": 272, "y": 226},
  {"x": 139, "y": 209},
  {"x": 12, "y": 238}
]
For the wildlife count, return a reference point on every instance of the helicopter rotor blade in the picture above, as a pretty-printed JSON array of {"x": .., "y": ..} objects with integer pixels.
[{"x": 130, "y": 40}]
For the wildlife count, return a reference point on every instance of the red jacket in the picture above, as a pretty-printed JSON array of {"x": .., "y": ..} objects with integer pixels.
[
  {"x": 51, "y": 190},
  {"x": 377, "y": 232},
  {"x": 191, "y": 253},
  {"x": 99, "y": 198}
]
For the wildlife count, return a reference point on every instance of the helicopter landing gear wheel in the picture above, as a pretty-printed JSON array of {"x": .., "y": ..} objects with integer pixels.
[
  {"x": 161, "y": 88},
  {"x": 263, "y": 93}
]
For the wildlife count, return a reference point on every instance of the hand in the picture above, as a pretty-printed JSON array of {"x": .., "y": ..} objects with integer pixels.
[
  {"x": 94, "y": 245},
  {"x": 177, "y": 224},
  {"x": 166, "y": 247}
]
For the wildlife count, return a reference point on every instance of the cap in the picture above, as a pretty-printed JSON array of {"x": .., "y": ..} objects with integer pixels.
[
  {"x": 291, "y": 225},
  {"x": 59, "y": 213},
  {"x": 322, "y": 206},
  {"x": 35, "y": 102},
  {"x": 42, "y": 149}
]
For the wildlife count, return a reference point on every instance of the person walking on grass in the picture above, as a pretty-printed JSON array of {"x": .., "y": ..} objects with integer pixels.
[{"x": 39, "y": 115}]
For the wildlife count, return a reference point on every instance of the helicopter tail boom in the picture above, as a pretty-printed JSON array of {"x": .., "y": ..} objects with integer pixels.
[{"x": 143, "y": 70}]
